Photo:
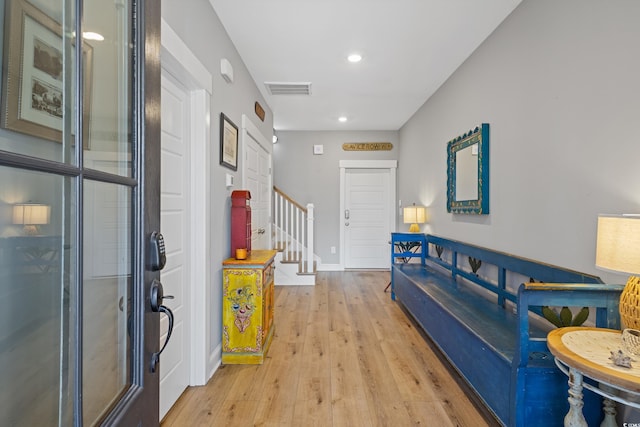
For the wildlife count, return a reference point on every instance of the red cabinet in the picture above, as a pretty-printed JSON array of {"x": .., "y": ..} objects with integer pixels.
[{"x": 240, "y": 221}]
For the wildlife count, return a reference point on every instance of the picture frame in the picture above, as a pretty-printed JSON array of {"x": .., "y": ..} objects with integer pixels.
[
  {"x": 228, "y": 143},
  {"x": 32, "y": 81}
]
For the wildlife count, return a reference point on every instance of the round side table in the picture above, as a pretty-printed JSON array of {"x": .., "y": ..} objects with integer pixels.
[{"x": 582, "y": 352}]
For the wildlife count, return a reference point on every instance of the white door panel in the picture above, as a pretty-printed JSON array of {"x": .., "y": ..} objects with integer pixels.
[
  {"x": 257, "y": 179},
  {"x": 366, "y": 222}
]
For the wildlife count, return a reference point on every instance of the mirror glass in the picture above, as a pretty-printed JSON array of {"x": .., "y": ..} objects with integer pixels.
[{"x": 468, "y": 172}]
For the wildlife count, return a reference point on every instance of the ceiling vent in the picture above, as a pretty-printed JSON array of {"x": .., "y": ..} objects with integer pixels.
[{"x": 277, "y": 88}]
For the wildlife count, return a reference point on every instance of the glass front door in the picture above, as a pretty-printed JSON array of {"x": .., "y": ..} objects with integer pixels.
[{"x": 78, "y": 196}]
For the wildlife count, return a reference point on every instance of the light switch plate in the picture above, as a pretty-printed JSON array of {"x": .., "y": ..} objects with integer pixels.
[{"x": 318, "y": 149}]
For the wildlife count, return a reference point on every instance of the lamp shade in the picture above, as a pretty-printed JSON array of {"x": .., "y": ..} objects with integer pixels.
[
  {"x": 414, "y": 215},
  {"x": 618, "y": 243},
  {"x": 31, "y": 214},
  {"x": 618, "y": 249}
]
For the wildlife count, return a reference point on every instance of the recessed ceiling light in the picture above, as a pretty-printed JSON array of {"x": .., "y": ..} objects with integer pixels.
[
  {"x": 342, "y": 119},
  {"x": 354, "y": 57}
]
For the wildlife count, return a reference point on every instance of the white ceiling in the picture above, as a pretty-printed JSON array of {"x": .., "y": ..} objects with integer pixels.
[{"x": 409, "y": 49}]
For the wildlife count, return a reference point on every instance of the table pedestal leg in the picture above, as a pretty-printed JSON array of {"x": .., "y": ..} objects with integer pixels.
[
  {"x": 574, "y": 417},
  {"x": 608, "y": 407}
]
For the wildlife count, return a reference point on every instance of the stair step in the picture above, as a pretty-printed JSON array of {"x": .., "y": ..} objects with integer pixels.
[
  {"x": 291, "y": 257},
  {"x": 302, "y": 269}
]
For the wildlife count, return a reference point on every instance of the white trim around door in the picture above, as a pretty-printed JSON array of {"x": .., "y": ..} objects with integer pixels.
[{"x": 180, "y": 61}]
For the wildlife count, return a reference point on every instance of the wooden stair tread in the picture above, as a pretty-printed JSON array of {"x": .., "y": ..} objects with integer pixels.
[{"x": 302, "y": 272}]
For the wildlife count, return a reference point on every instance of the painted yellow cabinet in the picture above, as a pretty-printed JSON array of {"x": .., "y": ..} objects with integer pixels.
[{"x": 247, "y": 307}]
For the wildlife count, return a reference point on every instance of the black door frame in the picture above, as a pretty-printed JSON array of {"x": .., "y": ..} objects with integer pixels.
[{"x": 141, "y": 405}]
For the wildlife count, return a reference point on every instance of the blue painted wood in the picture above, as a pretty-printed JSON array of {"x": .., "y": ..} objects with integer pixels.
[
  {"x": 602, "y": 296},
  {"x": 502, "y": 354},
  {"x": 396, "y": 252},
  {"x": 502, "y": 285},
  {"x": 462, "y": 327}
]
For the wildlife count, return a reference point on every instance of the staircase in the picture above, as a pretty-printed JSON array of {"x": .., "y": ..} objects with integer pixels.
[{"x": 293, "y": 237}]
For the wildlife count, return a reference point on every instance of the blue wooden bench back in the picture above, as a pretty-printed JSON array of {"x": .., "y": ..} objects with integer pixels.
[{"x": 504, "y": 262}]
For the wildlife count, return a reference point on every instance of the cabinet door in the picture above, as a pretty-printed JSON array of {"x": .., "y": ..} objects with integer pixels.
[
  {"x": 267, "y": 314},
  {"x": 268, "y": 304},
  {"x": 242, "y": 310}
]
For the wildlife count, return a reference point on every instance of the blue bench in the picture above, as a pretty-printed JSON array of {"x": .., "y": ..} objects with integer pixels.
[{"x": 488, "y": 324}]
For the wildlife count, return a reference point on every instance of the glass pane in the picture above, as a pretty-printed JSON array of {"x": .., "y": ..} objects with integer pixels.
[
  {"x": 36, "y": 266},
  {"x": 107, "y": 75},
  {"x": 106, "y": 288},
  {"x": 37, "y": 79}
]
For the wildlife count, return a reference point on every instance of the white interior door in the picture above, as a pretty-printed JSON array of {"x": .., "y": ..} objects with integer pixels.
[
  {"x": 174, "y": 363},
  {"x": 366, "y": 218},
  {"x": 257, "y": 179}
]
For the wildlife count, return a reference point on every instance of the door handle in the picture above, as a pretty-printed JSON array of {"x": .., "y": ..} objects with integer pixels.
[
  {"x": 157, "y": 297},
  {"x": 346, "y": 214}
]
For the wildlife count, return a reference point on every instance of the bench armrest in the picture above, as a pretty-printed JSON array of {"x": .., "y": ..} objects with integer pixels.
[
  {"x": 603, "y": 297},
  {"x": 564, "y": 287}
]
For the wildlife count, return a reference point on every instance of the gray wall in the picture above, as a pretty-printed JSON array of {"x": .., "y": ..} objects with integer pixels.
[
  {"x": 198, "y": 26},
  {"x": 309, "y": 178},
  {"x": 558, "y": 82}
]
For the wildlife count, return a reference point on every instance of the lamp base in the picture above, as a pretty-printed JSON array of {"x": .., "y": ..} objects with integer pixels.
[
  {"x": 31, "y": 230},
  {"x": 630, "y": 304},
  {"x": 415, "y": 228}
]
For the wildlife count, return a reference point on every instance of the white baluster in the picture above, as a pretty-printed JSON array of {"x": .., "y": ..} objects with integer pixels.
[
  {"x": 298, "y": 233},
  {"x": 303, "y": 240},
  {"x": 309, "y": 237},
  {"x": 281, "y": 225}
]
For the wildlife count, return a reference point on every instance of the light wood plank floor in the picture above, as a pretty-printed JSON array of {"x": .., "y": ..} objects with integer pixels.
[{"x": 343, "y": 354}]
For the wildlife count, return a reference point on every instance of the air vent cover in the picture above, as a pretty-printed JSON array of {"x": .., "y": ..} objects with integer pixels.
[{"x": 283, "y": 88}]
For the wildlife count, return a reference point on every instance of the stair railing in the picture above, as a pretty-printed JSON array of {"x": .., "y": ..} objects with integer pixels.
[{"x": 293, "y": 225}]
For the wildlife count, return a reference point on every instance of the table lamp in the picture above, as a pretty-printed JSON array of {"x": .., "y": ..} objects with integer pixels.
[
  {"x": 31, "y": 215},
  {"x": 618, "y": 249},
  {"x": 414, "y": 215}
]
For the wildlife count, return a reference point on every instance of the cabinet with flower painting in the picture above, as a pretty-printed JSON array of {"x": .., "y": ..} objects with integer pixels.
[{"x": 247, "y": 307}]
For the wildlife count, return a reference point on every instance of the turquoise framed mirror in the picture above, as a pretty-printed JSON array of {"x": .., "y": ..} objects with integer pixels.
[{"x": 468, "y": 172}]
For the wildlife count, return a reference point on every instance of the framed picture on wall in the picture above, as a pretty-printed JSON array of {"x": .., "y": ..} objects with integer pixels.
[
  {"x": 228, "y": 143},
  {"x": 32, "y": 84}
]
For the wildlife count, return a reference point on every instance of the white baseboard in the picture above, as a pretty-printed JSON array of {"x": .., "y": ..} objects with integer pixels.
[
  {"x": 330, "y": 267},
  {"x": 215, "y": 360}
]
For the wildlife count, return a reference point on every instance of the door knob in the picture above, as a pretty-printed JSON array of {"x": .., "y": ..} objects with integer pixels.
[
  {"x": 157, "y": 295},
  {"x": 156, "y": 298}
]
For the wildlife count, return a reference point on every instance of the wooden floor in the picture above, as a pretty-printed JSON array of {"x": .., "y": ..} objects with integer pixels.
[{"x": 343, "y": 354}]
